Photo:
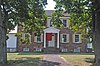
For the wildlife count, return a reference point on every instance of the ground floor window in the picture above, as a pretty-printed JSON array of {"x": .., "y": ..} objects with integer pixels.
[
  {"x": 77, "y": 38},
  {"x": 64, "y": 38},
  {"x": 38, "y": 38}
]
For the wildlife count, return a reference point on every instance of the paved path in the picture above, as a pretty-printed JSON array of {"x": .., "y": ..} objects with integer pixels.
[{"x": 54, "y": 60}]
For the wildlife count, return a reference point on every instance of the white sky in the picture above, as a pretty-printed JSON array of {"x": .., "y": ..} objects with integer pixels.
[{"x": 51, "y": 5}]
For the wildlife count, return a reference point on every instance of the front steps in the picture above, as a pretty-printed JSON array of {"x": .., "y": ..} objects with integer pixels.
[{"x": 51, "y": 50}]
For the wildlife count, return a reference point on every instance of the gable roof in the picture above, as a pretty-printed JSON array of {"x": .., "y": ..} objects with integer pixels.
[
  {"x": 51, "y": 30},
  {"x": 49, "y": 13}
]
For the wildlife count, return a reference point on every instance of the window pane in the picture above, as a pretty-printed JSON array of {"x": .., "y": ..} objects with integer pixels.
[
  {"x": 65, "y": 23},
  {"x": 51, "y": 23},
  {"x": 76, "y": 38},
  {"x": 64, "y": 38},
  {"x": 39, "y": 38}
]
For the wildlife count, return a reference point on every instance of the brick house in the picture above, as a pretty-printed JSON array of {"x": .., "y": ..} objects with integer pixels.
[{"x": 55, "y": 39}]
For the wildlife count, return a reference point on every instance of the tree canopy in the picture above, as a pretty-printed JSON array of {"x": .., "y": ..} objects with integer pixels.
[
  {"x": 80, "y": 15},
  {"x": 28, "y": 14}
]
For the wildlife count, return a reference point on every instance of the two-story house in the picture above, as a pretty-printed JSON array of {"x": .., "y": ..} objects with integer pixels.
[{"x": 54, "y": 39}]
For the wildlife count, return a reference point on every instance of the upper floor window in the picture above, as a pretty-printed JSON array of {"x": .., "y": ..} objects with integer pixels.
[
  {"x": 51, "y": 22},
  {"x": 77, "y": 38},
  {"x": 64, "y": 22}
]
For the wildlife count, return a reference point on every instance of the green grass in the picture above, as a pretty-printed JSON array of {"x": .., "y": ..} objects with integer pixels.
[
  {"x": 32, "y": 58},
  {"x": 75, "y": 59},
  {"x": 23, "y": 59}
]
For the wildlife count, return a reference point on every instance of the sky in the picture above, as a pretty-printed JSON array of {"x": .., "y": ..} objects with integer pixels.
[{"x": 51, "y": 5}]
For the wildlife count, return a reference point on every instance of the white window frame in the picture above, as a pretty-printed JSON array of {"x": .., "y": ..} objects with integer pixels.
[
  {"x": 67, "y": 38},
  {"x": 26, "y": 49},
  {"x": 23, "y": 36},
  {"x": 79, "y": 38},
  {"x": 36, "y": 37},
  {"x": 66, "y": 22},
  {"x": 78, "y": 49},
  {"x": 51, "y": 23},
  {"x": 64, "y": 50},
  {"x": 38, "y": 40}
]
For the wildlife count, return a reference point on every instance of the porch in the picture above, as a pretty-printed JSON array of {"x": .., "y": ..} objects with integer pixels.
[{"x": 51, "y": 40}]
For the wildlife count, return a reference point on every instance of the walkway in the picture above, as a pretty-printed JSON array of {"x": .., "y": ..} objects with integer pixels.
[{"x": 53, "y": 60}]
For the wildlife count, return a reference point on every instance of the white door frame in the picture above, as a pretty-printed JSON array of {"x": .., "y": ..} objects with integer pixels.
[{"x": 51, "y": 30}]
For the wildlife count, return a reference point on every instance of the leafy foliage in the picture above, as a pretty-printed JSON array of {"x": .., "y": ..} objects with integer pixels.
[
  {"x": 29, "y": 14},
  {"x": 81, "y": 15},
  {"x": 56, "y": 18}
]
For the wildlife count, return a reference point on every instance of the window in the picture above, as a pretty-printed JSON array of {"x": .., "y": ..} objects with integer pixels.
[
  {"x": 65, "y": 23},
  {"x": 38, "y": 49},
  {"x": 64, "y": 38},
  {"x": 26, "y": 36},
  {"x": 77, "y": 38},
  {"x": 51, "y": 22},
  {"x": 26, "y": 49},
  {"x": 39, "y": 38},
  {"x": 64, "y": 50},
  {"x": 11, "y": 49},
  {"x": 77, "y": 49}
]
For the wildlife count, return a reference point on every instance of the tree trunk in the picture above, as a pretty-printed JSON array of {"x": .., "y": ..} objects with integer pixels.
[
  {"x": 97, "y": 33},
  {"x": 3, "y": 53}
]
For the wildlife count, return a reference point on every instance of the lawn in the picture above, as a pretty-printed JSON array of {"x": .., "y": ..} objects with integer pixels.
[
  {"x": 83, "y": 59},
  {"x": 24, "y": 59},
  {"x": 33, "y": 59}
]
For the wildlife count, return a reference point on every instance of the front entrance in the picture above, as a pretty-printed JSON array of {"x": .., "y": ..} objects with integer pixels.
[
  {"x": 52, "y": 42},
  {"x": 51, "y": 37}
]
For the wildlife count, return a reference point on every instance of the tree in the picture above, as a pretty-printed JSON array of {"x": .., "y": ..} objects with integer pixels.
[
  {"x": 80, "y": 15},
  {"x": 96, "y": 16},
  {"x": 27, "y": 13},
  {"x": 85, "y": 14}
]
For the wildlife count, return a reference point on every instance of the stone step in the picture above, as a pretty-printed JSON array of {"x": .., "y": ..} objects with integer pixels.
[{"x": 51, "y": 50}]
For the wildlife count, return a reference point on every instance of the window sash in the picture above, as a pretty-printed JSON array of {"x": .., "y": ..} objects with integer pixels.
[
  {"x": 77, "y": 38},
  {"x": 51, "y": 23},
  {"x": 64, "y": 38},
  {"x": 38, "y": 39}
]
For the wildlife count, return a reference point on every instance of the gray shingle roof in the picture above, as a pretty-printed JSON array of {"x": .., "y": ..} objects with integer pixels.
[{"x": 49, "y": 13}]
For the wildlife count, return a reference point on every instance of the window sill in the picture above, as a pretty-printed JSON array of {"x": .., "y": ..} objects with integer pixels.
[
  {"x": 77, "y": 42},
  {"x": 64, "y": 42},
  {"x": 38, "y": 42}
]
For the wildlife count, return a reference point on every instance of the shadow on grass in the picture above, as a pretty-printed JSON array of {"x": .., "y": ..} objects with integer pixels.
[
  {"x": 62, "y": 53},
  {"x": 30, "y": 53},
  {"x": 24, "y": 61},
  {"x": 89, "y": 60},
  {"x": 49, "y": 63}
]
